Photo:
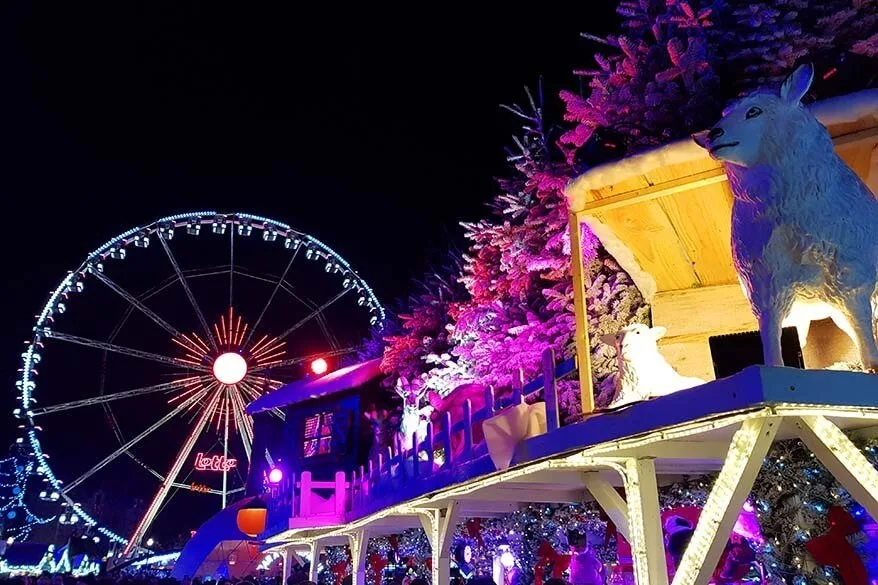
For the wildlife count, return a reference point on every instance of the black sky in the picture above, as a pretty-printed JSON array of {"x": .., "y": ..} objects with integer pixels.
[{"x": 374, "y": 128}]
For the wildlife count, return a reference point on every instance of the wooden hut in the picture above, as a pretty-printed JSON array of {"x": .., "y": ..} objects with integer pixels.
[{"x": 665, "y": 216}]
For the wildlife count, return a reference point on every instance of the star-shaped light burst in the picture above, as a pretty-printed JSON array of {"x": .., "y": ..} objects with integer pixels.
[{"x": 237, "y": 369}]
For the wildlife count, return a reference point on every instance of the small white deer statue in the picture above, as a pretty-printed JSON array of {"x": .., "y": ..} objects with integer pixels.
[
  {"x": 643, "y": 371},
  {"x": 414, "y": 417},
  {"x": 804, "y": 226}
]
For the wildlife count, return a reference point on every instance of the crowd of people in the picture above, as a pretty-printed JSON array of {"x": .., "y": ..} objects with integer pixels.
[{"x": 136, "y": 578}]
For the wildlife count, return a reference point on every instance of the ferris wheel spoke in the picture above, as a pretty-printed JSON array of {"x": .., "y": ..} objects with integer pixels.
[
  {"x": 302, "y": 359},
  {"x": 313, "y": 314},
  {"x": 137, "y": 304},
  {"x": 273, "y": 293},
  {"x": 152, "y": 471},
  {"x": 188, "y": 291},
  {"x": 171, "y": 477},
  {"x": 101, "y": 399},
  {"x": 247, "y": 426},
  {"x": 240, "y": 423},
  {"x": 231, "y": 265},
  {"x": 120, "y": 349},
  {"x": 149, "y": 430},
  {"x": 307, "y": 303}
]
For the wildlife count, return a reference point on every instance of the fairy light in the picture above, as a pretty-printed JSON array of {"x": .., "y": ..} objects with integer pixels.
[
  {"x": 845, "y": 452},
  {"x": 13, "y": 479},
  {"x": 749, "y": 446}
]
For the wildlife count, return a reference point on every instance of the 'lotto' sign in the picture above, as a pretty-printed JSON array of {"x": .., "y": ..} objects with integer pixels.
[{"x": 214, "y": 463}]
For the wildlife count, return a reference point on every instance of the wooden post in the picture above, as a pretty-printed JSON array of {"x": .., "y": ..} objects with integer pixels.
[
  {"x": 430, "y": 454},
  {"x": 340, "y": 493},
  {"x": 517, "y": 385},
  {"x": 489, "y": 401},
  {"x": 447, "y": 439},
  {"x": 316, "y": 549},
  {"x": 440, "y": 531},
  {"x": 610, "y": 502},
  {"x": 305, "y": 495},
  {"x": 363, "y": 485},
  {"x": 286, "y": 553},
  {"x": 583, "y": 346},
  {"x": 749, "y": 446},
  {"x": 467, "y": 431},
  {"x": 842, "y": 458},
  {"x": 415, "y": 451},
  {"x": 292, "y": 492},
  {"x": 400, "y": 457},
  {"x": 359, "y": 540},
  {"x": 550, "y": 391},
  {"x": 644, "y": 523}
]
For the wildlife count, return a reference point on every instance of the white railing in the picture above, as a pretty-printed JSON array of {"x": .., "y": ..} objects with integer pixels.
[
  {"x": 401, "y": 464},
  {"x": 301, "y": 502}
]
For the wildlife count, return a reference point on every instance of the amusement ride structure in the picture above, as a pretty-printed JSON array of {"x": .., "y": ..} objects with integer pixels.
[{"x": 213, "y": 338}]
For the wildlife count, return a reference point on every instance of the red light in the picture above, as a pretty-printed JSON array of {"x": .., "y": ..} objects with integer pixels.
[
  {"x": 275, "y": 475},
  {"x": 319, "y": 366}
]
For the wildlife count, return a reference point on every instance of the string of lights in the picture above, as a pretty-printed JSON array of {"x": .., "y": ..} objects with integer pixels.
[{"x": 17, "y": 518}]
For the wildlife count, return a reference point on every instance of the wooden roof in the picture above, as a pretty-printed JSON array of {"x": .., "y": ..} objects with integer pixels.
[{"x": 665, "y": 214}]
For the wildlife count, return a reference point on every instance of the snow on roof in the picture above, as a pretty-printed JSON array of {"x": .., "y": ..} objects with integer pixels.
[
  {"x": 851, "y": 110},
  {"x": 844, "y": 109},
  {"x": 309, "y": 389}
]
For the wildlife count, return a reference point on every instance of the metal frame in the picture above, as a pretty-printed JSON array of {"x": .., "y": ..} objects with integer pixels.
[
  {"x": 638, "y": 463},
  {"x": 231, "y": 408}
]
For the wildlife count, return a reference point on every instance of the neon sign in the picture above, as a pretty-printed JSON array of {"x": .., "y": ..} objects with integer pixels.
[{"x": 214, "y": 463}]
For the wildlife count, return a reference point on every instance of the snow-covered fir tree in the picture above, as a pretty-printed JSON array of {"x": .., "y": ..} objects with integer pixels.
[
  {"x": 422, "y": 327},
  {"x": 760, "y": 42},
  {"x": 519, "y": 279},
  {"x": 654, "y": 82}
]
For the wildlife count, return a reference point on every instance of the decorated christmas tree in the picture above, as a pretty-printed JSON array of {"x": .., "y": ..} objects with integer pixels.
[
  {"x": 654, "y": 82},
  {"x": 519, "y": 279},
  {"x": 761, "y": 42},
  {"x": 793, "y": 495},
  {"x": 422, "y": 328}
]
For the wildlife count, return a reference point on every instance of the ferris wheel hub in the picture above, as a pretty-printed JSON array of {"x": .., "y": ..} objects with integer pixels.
[{"x": 230, "y": 368}]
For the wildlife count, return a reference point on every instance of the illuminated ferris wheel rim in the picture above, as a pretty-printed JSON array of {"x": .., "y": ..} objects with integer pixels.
[{"x": 272, "y": 230}]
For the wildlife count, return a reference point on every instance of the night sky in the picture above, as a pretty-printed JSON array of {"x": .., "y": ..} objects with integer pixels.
[{"x": 374, "y": 129}]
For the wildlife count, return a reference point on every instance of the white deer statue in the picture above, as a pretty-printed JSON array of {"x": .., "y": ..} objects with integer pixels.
[
  {"x": 414, "y": 417},
  {"x": 804, "y": 226}
]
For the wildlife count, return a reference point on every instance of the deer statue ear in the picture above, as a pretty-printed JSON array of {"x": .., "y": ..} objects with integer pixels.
[
  {"x": 609, "y": 338},
  {"x": 796, "y": 85},
  {"x": 434, "y": 400},
  {"x": 658, "y": 332}
]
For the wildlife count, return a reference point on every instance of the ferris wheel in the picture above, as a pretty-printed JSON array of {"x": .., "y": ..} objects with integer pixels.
[{"x": 144, "y": 357}]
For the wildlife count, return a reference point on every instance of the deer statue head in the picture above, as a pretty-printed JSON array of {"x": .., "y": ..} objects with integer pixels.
[{"x": 414, "y": 416}]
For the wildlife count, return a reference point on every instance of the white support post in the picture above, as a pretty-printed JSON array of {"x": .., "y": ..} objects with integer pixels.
[
  {"x": 316, "y": 549},
  {"x": 226, "y": 453},
  {"x": 842, "y": 458},
  {"x": 610, "y": 502},
  {"x": 644, "y": 523},
  {"x": 286, "y": 554},
  {"x": 749, "y": 446},
  {"x": 440, "y": 530},
  {"x": 359, "y": 541}
]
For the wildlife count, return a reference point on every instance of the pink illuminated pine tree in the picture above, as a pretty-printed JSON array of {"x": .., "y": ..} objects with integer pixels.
[{"x": 519, "y": 280}]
